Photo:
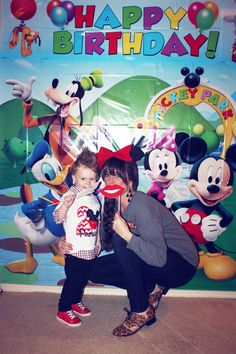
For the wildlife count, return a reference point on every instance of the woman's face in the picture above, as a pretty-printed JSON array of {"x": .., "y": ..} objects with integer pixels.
[
  {"x": 111, "y": 179},
  {"x": 114, "y": 180}
]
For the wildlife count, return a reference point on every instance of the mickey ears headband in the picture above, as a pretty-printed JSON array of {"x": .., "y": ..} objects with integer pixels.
[{"x": 127, "y": 153}]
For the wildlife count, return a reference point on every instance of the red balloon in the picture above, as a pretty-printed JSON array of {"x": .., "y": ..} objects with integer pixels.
[
  {"x": 213, "y": 7},
  {"x": 23, "y": 10},
  {"x": 51, "y": 5},
  {"x": 193, "y": 11}
]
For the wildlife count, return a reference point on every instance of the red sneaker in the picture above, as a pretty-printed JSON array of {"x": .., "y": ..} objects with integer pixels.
[
  {"x": 80, "y": 309},
  {"x": 68, "y": 318}
]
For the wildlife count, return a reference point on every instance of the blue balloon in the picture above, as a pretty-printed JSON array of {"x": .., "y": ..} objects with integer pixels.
[{"x": 58, "y": 16}]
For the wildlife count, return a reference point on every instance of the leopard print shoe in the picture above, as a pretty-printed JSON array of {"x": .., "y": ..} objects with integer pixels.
[
  {"x": 155, "y": 298},
  {"x": 134, "y": 322}
]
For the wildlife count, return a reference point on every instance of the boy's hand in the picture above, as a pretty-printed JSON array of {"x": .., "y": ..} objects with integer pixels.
[{"x": 68, "y": 201}]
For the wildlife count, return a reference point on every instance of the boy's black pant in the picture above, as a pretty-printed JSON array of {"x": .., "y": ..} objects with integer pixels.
[{"x": 77, "y": 272}]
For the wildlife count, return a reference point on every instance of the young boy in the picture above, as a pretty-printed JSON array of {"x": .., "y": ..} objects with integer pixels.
[{"x": 79, "y": 211}]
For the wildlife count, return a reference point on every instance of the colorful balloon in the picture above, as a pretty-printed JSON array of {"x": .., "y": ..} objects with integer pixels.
[
  {"x": 58, "y": 16},
  {"x": 23, "y": 10},
  {"x": 213, "y": 7},
  {"x": 193, "y": 11},
  {"x": 51, "y": 5},
  {"x": 70, "y": 10},
  {"x": 205, "y": 19}
]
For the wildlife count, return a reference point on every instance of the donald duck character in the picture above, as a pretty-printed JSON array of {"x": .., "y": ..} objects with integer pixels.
[
  {"x": 47, "y": 170},
  {"x": 38, "y": 226}
]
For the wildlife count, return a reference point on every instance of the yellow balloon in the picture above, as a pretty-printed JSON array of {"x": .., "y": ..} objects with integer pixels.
[
  {"x": 198, "y": 129},
  {"x": 220, "y": 130}
]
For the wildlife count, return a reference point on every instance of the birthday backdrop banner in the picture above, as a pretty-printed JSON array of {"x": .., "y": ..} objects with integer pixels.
[{"x": 160, "y": 74}]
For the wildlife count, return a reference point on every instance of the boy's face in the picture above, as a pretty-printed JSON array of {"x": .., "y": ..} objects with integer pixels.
[{"x": 84, "y": 178}]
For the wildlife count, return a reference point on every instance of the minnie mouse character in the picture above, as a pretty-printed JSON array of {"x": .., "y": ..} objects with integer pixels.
[{"x": 162, "y": 166}]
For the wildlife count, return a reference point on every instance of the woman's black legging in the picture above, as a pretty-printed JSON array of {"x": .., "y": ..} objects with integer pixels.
[{"x": 126, "y": 270}]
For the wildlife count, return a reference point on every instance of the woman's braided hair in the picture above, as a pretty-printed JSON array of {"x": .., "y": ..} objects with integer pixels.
[{"x": 127, "y": 171}]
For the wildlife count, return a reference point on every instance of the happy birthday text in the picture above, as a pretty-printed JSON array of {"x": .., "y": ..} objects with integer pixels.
[{"x": 112, "y": 40}]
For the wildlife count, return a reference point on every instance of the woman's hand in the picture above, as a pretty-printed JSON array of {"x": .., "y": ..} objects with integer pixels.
[
  {"x": 98, "y": 248},
  {"x": 121, "y": 228},
  {"x": 63, "y": 246}
]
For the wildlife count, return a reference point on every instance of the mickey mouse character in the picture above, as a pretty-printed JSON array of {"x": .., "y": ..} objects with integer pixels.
[{"x": 204, "y": 218}]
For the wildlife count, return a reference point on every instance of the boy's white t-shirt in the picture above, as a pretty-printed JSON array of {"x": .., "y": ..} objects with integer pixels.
[{"x": 81, "y": 226}]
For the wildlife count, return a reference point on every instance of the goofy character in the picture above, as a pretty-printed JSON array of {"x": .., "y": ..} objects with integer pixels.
[{"x": 61, "y": 123}]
